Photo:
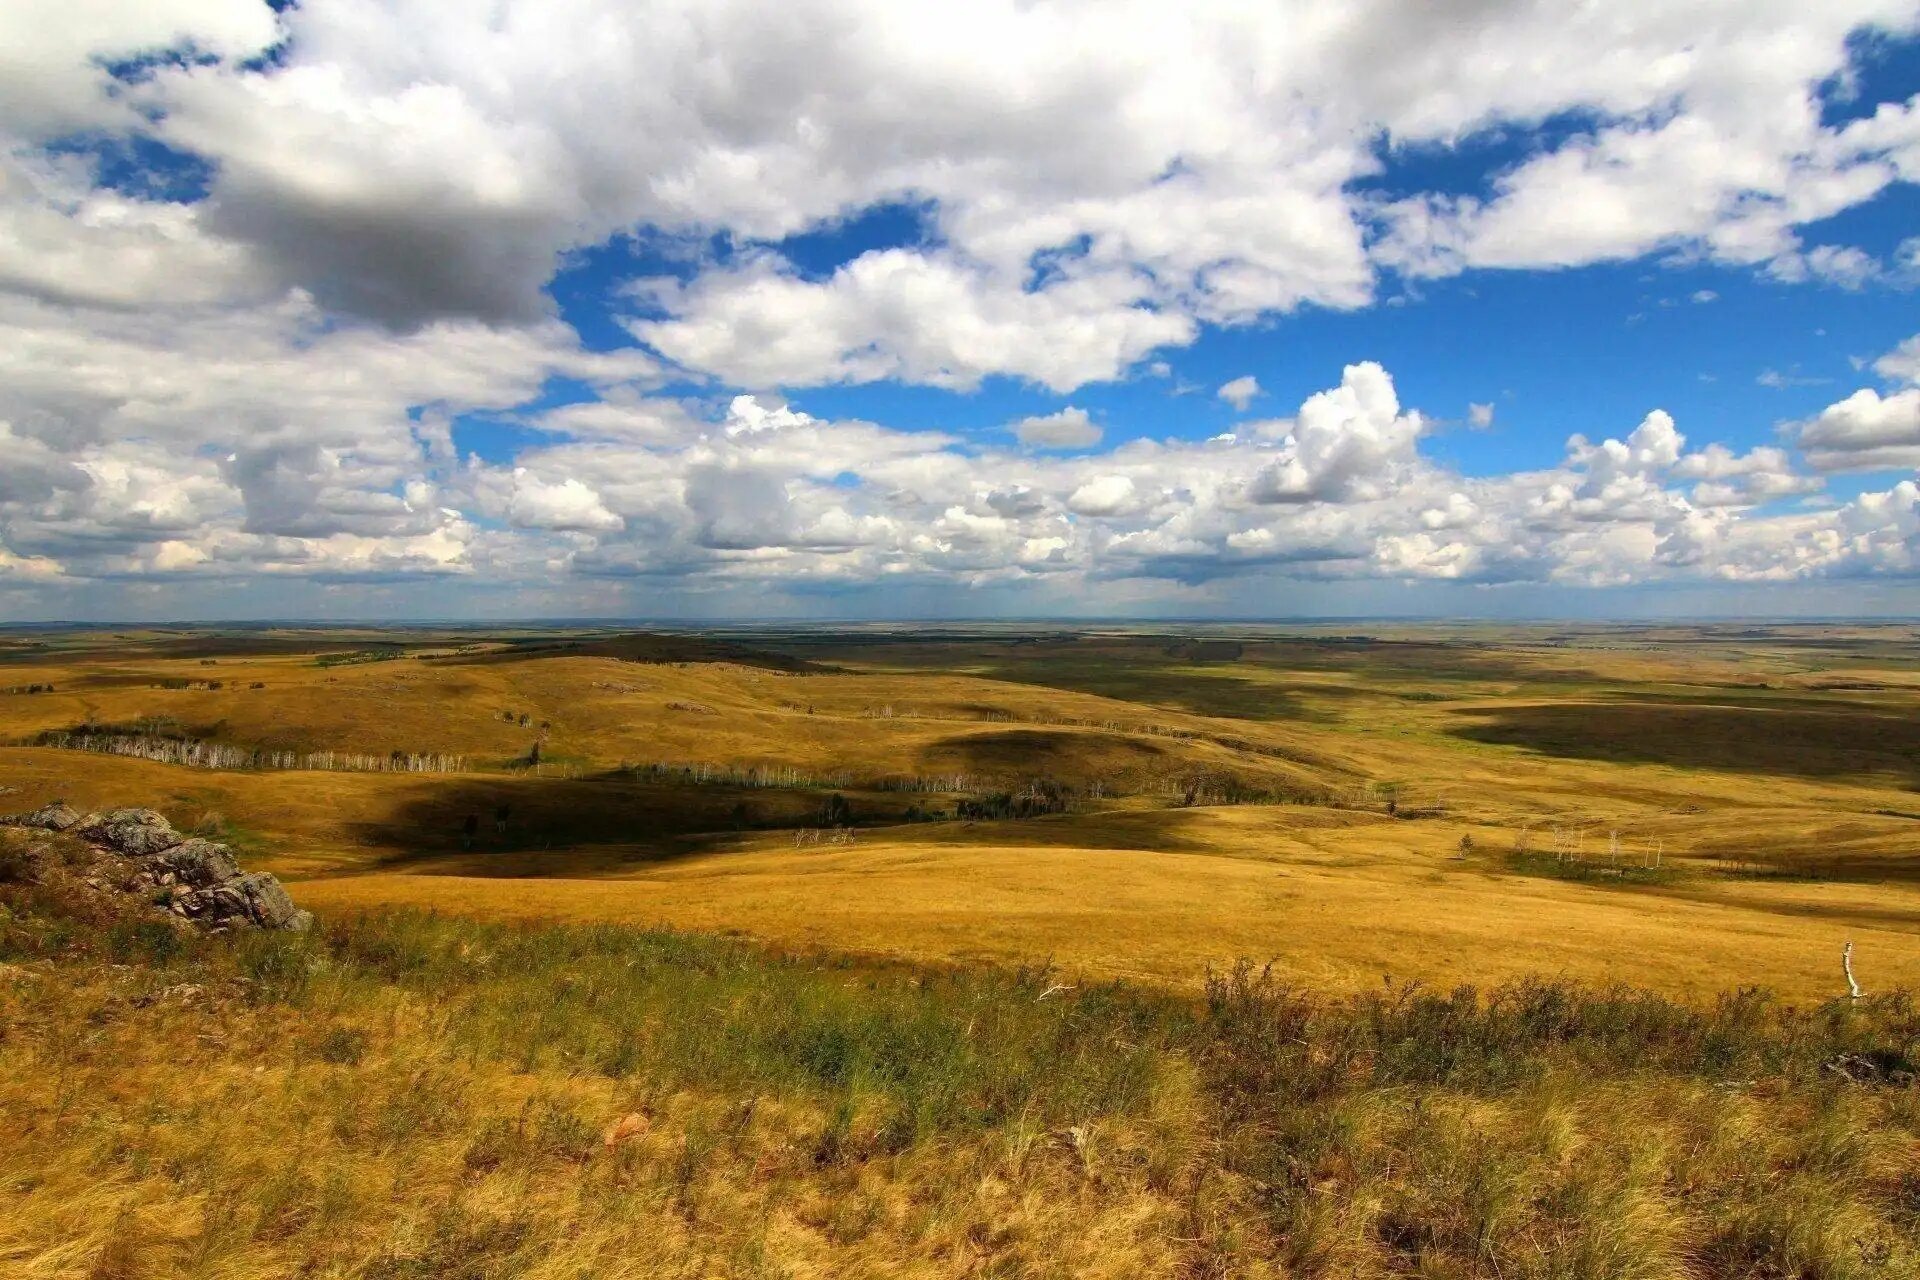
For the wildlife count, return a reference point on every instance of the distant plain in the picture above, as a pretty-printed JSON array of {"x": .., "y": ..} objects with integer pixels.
[{"x": 1690, "y": 808}]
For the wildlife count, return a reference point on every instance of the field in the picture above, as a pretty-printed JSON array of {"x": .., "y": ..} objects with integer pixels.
[
  {"x": 1690, "y": 809},
  {"x": 988, "y": 952}
]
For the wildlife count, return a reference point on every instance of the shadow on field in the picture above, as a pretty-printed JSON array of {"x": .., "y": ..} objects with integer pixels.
[
  {"x": 638, "y": 647},
  {"x": 1237, "y": 680},
  {"x": 1012, "y": 756},
  {"x": 1891, "y": 919},
  {"x": 1149, "y": 830},
  {"x": 1793, "y": 742},
  {"x": 1202, "y": 689},
  {"x": 491, "y": 825}
]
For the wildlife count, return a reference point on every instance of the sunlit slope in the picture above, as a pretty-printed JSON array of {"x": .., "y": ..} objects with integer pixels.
[
  {"x": 1338, "y": 905},
  {"x": 1776, "y": 784},
  {"x": 598, "y": 713},
  {"x": 1334, "y": 897}
]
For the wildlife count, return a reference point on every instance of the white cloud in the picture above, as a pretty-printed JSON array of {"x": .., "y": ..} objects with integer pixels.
[
  {"x": 51, "y": 51},
  {"x": 1480, "y": 416},
  {"x": 1240, "y": 392},
  {"x": 1070, "y": 428},
  {"x": 905, "y": 315},
  {"x": 267, "y": 383},
  {"x": 1087, "y": 201},
  {"x": 1350, "y": 442},
  {"x": 1845, "y": 266},
  {"x": 1105, "y": 496},
  {"x": 1778, "y": 381},
  {"x": 1865, "y": 432},
  {"x": 64, "y": 241},
  {"x": 766, "y": 496},
  {"x": 568, "y": 504},
  {"x": 1902, "y": 364}
]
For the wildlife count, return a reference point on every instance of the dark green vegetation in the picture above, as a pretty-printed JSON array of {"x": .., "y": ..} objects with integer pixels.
[{"x": 1769, "y": 734}]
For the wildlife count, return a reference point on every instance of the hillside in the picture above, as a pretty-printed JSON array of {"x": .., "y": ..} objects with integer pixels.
[
  {"x": 974, "y": 954},
  {"x": 1694, "y": 809},
  {"x": 398, "y": 1094}
]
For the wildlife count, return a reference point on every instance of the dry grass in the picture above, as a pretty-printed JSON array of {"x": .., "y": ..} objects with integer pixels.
[
  {"x": 404, "y": 1095},
  {"x": 1681, "y": 741}
]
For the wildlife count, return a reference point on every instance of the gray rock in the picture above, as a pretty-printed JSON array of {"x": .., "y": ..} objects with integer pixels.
[
  {"x": 54, "y": 817},
  {"x": 254, "y": 898},
  {"x": 107, "y": 817},
  {"x": 196, "y": 862},
  {"x": 137, "y": 832},
  {"x": 267, "y": 903},
  {"x": 194, "y": 879}
]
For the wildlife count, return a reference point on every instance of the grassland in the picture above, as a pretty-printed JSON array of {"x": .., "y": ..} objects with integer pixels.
[
  {"x": 1445, "y": 804},
  {"x": 405, "y": 1095},
  {"x": 656, "y": 955}
]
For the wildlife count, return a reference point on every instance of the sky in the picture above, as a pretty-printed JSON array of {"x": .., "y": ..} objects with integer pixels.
[{"x": 376, "y": 309}]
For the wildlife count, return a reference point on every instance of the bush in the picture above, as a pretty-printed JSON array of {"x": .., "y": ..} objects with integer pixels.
[{"x": 17, "y": 863}]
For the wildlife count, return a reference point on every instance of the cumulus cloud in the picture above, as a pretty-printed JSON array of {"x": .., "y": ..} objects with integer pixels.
[
  {"x": 1480, "y": 416},
  {"x": 1902, "y": 364},
  {"x": 568, "y": 504},
  {"x": 52, "y": 54},
  {"x": 1844, "y": 266},
  {"x": 1240, "y": 392},
  {"x": 1865, "y": 432},
  {"x": 761, "y": 493},
  {"x": 1086, "y": 202},
  {"x": 257, "y": 439},
  {"x": 910, "y": 316},
  {"x": 281, "y": 376},
  {"x": 1103, "y": 496},
  {"x": 1070, "y": 428},
  {"x": 1350, "y": 442}
]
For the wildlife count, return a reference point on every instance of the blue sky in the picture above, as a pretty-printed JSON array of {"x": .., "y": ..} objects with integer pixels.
[{"x": 847, "y": 309}]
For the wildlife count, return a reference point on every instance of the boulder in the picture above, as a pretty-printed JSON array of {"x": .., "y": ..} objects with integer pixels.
[
  {"x": 196, "y": 862},
  {"x": 57, "y": 816},
  {"x": 99, "y": 821},
  {"x": 136, "y": 832},
  {"x": 254, "y": 898},
  {"x": 203, "y": 882}
]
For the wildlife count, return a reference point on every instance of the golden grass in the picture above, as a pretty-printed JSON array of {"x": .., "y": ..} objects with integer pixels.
[
  {"x": 403, "y": 1096},
  {"x": 1339, "y": 913},
  {"x": 1338, "y": 896}
]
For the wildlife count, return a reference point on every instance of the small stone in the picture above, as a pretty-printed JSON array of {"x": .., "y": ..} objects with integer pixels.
[{"x": 627, "y": 1128}]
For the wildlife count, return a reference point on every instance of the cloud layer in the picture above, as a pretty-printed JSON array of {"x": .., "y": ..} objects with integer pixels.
[{"x": 254, "y": 266}]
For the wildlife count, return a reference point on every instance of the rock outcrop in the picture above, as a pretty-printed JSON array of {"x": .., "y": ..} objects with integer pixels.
[{"x": 191, "y": 879}]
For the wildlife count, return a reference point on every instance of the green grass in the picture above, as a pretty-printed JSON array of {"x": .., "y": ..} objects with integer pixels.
[
  {"x": 1582, "y": 870},
  {"x": 932, "y": 1051}
]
